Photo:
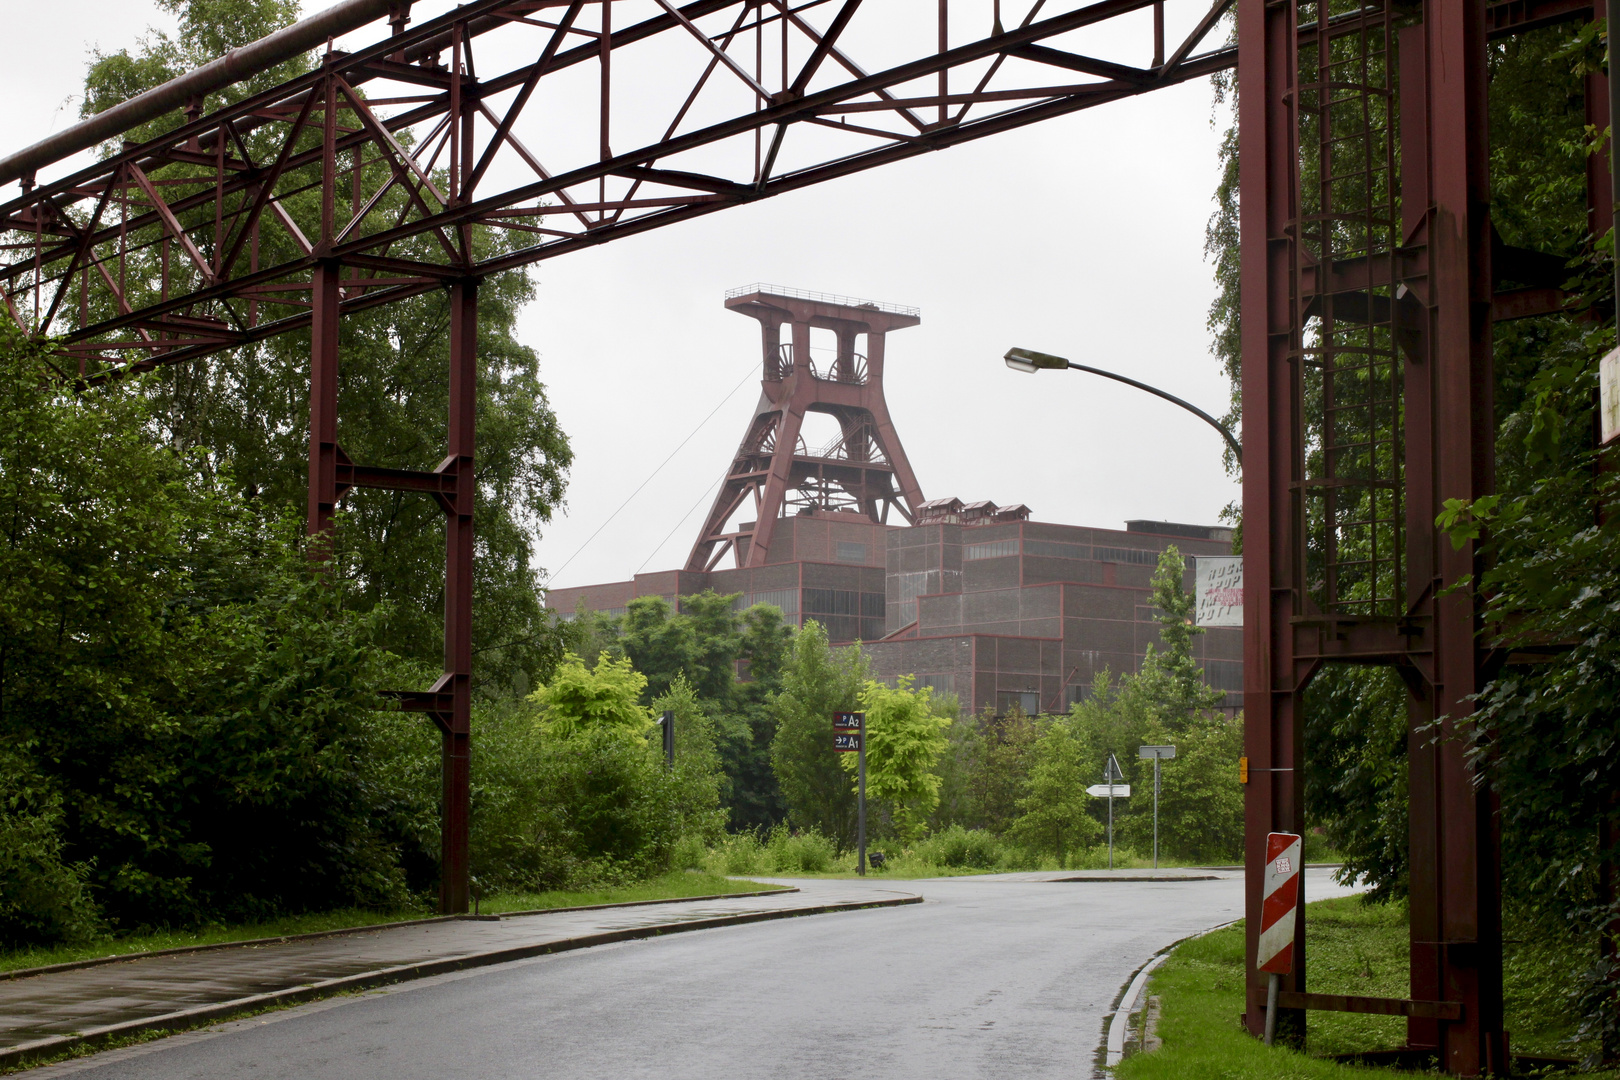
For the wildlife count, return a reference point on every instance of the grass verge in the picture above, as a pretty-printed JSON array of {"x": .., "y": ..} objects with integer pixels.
[
  {"x": 1352, "y": 948},
  {"x": 672, "y": 886}
]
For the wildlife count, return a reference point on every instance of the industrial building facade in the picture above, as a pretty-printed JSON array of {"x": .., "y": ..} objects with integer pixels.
[{"x": 971, "y": 598}]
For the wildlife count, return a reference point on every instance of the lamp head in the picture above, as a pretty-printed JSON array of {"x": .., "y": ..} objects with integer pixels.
[{"x": 1030, "y": 361}]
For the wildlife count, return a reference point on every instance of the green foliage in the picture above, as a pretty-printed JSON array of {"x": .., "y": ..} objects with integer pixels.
[
  {"x": 1171, "y": 679},
  {"x": 1200, "y": 797},
  {"x": 698, "y": 780},
  {"x": 706, "y": 642},
  {"x": 245, "y": 414},
  {"x": 957, "y": 848},
  {"x": 1055, "y": 812},
  {"x": 816, "y": 682},
  {"x": 1355, "y": 773},
  {"x": 904, "y": 741},
  {"x": 194, "y": 700},
  {"x": 43, "y": 899},
  {"x": 778, "y": 851},
  {"x": 606, "y": 699}
]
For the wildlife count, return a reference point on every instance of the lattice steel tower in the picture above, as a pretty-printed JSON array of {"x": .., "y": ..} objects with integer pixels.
[{"x": 863, "y": 469}]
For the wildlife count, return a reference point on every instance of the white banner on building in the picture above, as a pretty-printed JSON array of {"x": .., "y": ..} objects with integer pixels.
[{"x": 1218, "y": 584}]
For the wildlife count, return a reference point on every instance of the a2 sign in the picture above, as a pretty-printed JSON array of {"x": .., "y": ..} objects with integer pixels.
[{"x": 847, "y": 731}]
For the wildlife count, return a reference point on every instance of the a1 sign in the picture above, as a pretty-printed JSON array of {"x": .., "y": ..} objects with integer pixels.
[
  {"x": 1281, "y": 897},
  {"x": 846, "y": 742},
  {"x": 849, "y": 721}
]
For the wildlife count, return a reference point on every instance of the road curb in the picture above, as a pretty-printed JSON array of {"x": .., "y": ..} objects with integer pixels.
[
  {"x": 314, "y": 935},
  {"x": 23, "y": 1053}
]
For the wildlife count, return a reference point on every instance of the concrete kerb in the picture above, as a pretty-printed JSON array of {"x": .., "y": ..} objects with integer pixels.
[
  {"x": 203, "y": 1014},
  {"x": 248, "y": 943},
  {"x": 1113, "y": 1049}
]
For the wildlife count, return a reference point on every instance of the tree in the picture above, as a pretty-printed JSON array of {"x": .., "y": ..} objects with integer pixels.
[
  {"x": 700, "y": 782},
  {"x": 192, "y": 695},
  {"x": 816, "y": 682},
  {"x": 904, "y": 740},
  {"x": 707, "y": 641},
  {"x": 606, "y": 699},
  {"x": 1170, "y": 678},
  {"x": 246, "y": 410},
  {"x": 1055, "y": 812}
]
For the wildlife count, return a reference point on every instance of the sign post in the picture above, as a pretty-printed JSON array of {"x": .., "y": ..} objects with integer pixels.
[
  {"x": 668, "y": 722},
  {"x": 1158, "y": 754},
  {"x": 1275, "y": 954},
  {"x": 1110, "y": 790},
  {"x": 849, "y": 736}
]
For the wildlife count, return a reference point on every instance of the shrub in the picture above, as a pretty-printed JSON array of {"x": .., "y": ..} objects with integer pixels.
[
  {"x": 806, "y": 852},
  {"x": 959, "y": 848},
  {"x": 43, "y": 900}
]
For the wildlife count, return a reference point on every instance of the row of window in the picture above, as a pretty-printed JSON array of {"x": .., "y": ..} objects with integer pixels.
[
  {"x": 1052, "y": 549},
  {"x": 843, "y": 602}
]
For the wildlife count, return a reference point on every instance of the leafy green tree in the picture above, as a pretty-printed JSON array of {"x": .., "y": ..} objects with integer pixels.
[
  {"x": 605, "y": 698},
  {"x": 817, "y": 681},
  {"x": 996, "y": 777},
  {"x": 1170, "y": 678},
  {"x": 1055, "y": 811},
  {"x": 699, "y": 780},
  {"x": 246, "y": 410},
  {"x": 1200, "y": 797},
  {"x": 193, "y": 695},
  {"x": 904, "y": 741},
  {"x": 707, "y": 641}
]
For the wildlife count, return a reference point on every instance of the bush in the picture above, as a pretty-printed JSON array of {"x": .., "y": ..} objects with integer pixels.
[
  {"x": 43, "y": 900},
  {"x": 779, "y": 851},
  {"x": 806, "y": 852},
  {"x": 959, "y": 848}
]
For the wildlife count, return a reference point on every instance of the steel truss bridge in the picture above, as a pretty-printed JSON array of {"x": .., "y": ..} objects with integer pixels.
[{"x": 473, "y": 141}]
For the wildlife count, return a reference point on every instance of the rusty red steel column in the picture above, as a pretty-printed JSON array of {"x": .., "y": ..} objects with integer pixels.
[
  {"x": 1272, "y": 435},
  {"x": 455, "y": 867},
  {"x": 323, "y": 386},
  {"x": 1455, "y": 848}
]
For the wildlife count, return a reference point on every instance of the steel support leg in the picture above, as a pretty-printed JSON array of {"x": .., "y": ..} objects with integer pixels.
[
  {"x": 1455, "y": 849},
  {"x": 323, "y": 387},
  {"x": 454, "y": 884},
  {"x": 1272, "y": 521}
]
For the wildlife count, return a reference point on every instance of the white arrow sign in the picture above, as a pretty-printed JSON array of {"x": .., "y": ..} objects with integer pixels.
[{"x": 1103, "y": 791}]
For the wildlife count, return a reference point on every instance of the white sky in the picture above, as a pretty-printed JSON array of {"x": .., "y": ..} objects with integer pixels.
[{"x": 1082, "y": 236}]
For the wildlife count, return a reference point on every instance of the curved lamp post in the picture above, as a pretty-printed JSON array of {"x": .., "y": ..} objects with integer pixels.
[{"x": 1030, "y": 361}]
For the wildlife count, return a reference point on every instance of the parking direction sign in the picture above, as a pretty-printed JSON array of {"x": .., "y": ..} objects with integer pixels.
[
  {"x": 845, "y": 742},
  {"x": 849, "y": 721}
]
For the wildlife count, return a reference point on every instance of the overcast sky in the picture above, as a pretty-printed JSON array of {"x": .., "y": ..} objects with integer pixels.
[{"x": 1081, "y": 236}]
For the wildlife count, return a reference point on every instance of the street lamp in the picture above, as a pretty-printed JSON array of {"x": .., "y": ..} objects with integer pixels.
[{"x": 1029, "y": 362}]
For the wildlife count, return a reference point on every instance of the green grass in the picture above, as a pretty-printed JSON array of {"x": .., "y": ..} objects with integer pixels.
[
  {"x": 1351, "y": 948},
  {"x": 673, "y": 886},
  {"x": 209, "y": 935}
]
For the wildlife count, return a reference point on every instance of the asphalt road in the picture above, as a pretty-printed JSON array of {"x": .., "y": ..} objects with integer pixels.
[{"x": 990, "y": 978}]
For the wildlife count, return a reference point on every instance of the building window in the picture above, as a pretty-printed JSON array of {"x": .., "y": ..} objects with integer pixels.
[
  {"x": 1138, "y": 556},
  {"x": 849, "y": 551},
  {"x": 1051, "y": 549},
  {"x": 1028, "y": 702},
  {"x": 939, "y": 684},
  {"x": 994, "y": 550},
  {"x": 1224, "y": 675},
  {"x": 785, "y": 600}
]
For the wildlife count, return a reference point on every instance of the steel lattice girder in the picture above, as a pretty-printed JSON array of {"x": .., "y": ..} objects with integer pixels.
[{"x": 787, "y": 106}]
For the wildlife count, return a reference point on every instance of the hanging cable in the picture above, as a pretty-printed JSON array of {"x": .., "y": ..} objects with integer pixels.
[
  {"x": 678, "y": 524},
  {"x": 729, "y": 394}
]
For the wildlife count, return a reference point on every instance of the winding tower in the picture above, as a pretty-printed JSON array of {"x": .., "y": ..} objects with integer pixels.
[{"x": 863, "y": 470}]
